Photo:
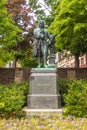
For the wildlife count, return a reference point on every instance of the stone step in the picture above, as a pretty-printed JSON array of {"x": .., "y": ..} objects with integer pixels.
[{"x": 42, "y": 112}]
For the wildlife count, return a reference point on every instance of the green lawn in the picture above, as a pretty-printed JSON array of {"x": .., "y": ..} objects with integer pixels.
[{"x": 44, "y": 123}]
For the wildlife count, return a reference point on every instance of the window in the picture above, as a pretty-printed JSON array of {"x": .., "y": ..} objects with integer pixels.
[{"x": 82, "y": 61}]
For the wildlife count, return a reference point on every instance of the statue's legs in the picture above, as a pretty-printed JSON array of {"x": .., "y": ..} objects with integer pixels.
[
  {"x": 45, "y": 58},
  {"x": 39, "y": 58},
  {"x": 45, "y": 64}
]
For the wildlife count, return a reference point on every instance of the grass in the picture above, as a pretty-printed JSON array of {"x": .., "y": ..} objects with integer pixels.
[{"x": 44, "y": 123}]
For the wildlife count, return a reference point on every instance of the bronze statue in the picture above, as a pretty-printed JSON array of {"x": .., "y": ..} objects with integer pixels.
[{"x": 40, "y": 44}]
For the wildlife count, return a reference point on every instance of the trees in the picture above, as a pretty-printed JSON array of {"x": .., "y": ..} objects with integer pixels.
[
  {"x": 8, "y": 34},
  {"x": 16, "y": 32},
  {"x": 21, "y": 14},
  {"x": 70, "y": 27}
]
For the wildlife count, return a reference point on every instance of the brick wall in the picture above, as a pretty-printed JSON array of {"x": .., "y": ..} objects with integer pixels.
[
  {"x": 72, "y": 73},
  {"x": 22, "y": 74},
  {"x": 7, "y": 75}
]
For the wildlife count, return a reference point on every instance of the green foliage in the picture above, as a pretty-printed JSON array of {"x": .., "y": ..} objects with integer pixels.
[
  {"x": 63, "y": 89},
  {"x": 23, "y": 18},
  {"x": 8, "y": 33},
  {"x": 70, "y": 26},
  {"x": 76, "y": 98},
  {"x": 12, "y": 99},
  {"x": 5, "y": 56},
  {"x": 28, "y": 60},
  {"x": 8, "y": 29}
]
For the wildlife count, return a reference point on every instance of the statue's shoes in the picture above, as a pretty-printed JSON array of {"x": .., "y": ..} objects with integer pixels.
[
  {"x": 45, "y": 66},
  {"x": 38, "y": 66}
]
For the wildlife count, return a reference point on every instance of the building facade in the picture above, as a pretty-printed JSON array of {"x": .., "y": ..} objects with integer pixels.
[{"x": 69, "y": 61}]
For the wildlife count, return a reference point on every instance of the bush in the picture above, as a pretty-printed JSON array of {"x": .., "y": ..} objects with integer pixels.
[
  {"x": 12, "y": 99},
  {"x": 76, "y": 98},
  {"x": 63, "y": 89}
]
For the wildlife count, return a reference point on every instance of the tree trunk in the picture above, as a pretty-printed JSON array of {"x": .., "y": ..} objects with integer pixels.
[
  {"x": 76, "y": 61},
  {"x": 15, "y": 63}
]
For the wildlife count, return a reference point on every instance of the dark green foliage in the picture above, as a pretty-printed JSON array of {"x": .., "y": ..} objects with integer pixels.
[
  {"x": 12, "y": 99},
  {"x": 63, "y": 89},
  {"x": 70, "y": 27},
  {"x": 28, "y": 61},
  {"x": 8, "y": 34},
  {"x": 76, "y": 98}
]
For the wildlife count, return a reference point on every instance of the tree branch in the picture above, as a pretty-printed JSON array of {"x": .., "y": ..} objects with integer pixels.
[{"x": 45, "y": 7}]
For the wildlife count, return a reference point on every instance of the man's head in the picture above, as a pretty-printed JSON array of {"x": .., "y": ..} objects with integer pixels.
[{"x": 42, "y": 24}]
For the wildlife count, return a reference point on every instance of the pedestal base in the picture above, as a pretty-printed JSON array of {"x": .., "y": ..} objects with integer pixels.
[
  {"x": 44, "y": 89},
  {"x": 43, "y": 112},
  {"x": 42, "y": 101}
]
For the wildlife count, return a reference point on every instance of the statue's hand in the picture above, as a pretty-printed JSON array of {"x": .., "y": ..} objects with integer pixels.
[{"x": 42, "y": 36}]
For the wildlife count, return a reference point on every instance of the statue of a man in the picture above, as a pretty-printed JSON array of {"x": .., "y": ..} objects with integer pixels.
[{"x": 40, "y": 44}]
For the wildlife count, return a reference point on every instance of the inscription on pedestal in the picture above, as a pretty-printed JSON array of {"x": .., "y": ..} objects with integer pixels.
[{"x": 42, "y": 85}]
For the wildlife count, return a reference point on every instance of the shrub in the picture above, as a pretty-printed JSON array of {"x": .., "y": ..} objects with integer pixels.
[
  {"x": 63, "y": 89},
  {"x": 76, "y": 98},
  {"x": 12, "y": 99}
]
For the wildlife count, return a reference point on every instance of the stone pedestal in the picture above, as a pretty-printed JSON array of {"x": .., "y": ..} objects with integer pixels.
[{"x": 44, "y": 93}]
